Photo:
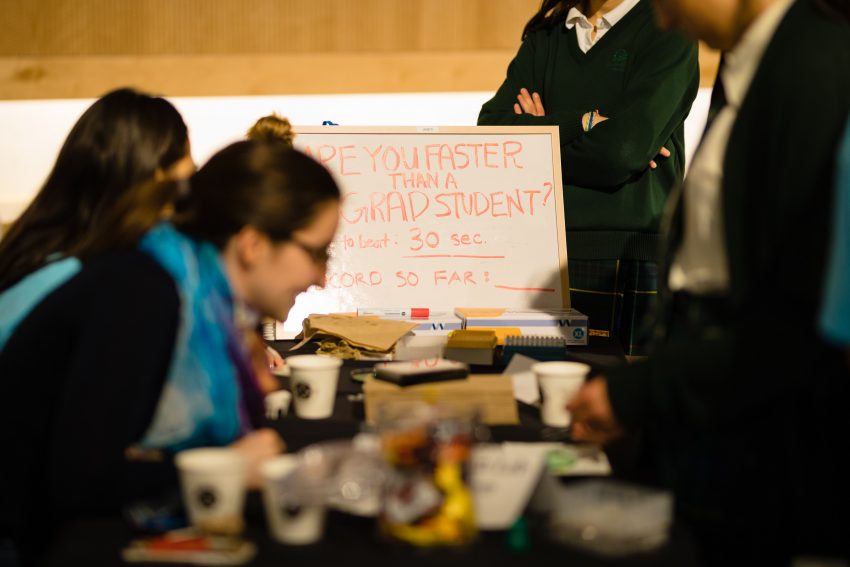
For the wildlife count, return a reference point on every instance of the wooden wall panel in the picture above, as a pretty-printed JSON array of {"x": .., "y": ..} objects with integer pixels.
[
  {"x": 82, "y": 48},
  {"x": 212, "y": 75},
  {"x": 184, "y": 27}
]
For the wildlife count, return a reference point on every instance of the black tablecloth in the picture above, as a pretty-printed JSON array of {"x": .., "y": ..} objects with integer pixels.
[
  {"x": 348, "y": 415},
  {"x": 352, "y": 540}
]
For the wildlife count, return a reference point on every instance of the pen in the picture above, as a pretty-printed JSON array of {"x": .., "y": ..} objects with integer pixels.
[{"x": 399, "y": 313}]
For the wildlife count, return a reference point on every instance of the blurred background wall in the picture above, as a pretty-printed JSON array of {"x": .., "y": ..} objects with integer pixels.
[{"x": 351, "y": 61}]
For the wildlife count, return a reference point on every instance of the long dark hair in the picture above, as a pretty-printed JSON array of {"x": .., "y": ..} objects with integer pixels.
[
  {"x": 265, "y": 184},
  {"x": 551, "y": 12},
  {"x": 118, "y": 143}
]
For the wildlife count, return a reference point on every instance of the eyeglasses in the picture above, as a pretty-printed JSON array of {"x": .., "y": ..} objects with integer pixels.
[{"x": 320, "y": 255}]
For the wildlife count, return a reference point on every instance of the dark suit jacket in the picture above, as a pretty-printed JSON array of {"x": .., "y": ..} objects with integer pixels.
[{"x": 741, "y": 402}]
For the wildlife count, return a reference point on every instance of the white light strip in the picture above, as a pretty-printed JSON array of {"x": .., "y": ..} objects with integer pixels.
[{"x": 33, "y": 130}]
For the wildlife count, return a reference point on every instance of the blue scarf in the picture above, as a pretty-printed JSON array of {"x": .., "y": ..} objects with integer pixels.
[
  {"x": 211, "y": 395},
  {"x": 18, "y": 301}
]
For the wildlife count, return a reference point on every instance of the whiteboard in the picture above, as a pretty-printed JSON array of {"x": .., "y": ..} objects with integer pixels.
[{"x": 441, "y": 217}]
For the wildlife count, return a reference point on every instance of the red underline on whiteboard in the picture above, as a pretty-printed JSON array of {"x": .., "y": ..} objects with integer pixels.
[
  {"x": 475, "y": 256},
  {"x": 524, "y": 288},
  {"x": 455, "y": 256}
]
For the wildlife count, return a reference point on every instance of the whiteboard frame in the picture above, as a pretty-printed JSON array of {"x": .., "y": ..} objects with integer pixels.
[{"x": 553, "y": 133}]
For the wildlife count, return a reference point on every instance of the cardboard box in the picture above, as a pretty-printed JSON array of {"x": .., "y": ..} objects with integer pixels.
[
  {"x": 428, "y": 322},
  {"x": 472, "y": 346},
  {"x": 441, "y": 325},
  {"x": 493, "y": 394},
  {"x": 567, "y": 323}
]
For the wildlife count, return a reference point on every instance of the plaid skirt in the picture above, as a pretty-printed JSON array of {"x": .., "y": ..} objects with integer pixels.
[{"x": 618, "y": 297}]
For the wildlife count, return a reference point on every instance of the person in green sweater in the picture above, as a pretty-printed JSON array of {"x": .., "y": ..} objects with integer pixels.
[
  {"x": 742, "y": 406},
  {"x": 619, "y": 90}
]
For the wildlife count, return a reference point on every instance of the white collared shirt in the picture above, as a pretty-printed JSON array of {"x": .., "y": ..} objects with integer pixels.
[
  {"x": 584, "y": 29},
  {"x": 701, "y": 266}
]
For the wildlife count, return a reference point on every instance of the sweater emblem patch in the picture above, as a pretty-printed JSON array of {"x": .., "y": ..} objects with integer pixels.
[{"x": 618, "y": 61}]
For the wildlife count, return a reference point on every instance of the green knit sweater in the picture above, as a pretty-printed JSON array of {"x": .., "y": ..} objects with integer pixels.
[{"x": 644, "y": 80}]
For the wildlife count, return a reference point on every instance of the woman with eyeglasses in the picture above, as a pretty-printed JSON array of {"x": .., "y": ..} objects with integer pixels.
[{"x": 152, "y": 359}]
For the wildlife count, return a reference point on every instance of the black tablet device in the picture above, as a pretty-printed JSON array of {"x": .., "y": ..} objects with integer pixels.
[{"x": 421, "y": 371}]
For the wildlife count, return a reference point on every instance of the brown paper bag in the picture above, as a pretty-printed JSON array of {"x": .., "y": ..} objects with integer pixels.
[{"x": 378, "y": 335}]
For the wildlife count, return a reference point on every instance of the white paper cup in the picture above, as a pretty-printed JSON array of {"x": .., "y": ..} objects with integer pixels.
[
  {"x": 277, "y": 404},
  {"x": 314, "y": 379},
  {"x": 213, "y": 487},
  {"x": 289, "y": 521},
  {"x": 559, "y": 382}
]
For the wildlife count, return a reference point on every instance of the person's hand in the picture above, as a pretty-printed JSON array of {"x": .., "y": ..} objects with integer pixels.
[
  {"x": 529, "y": 103},
  {"x": 587, "y": 124},
  {"x": 256, "y": 447},
  {"x": 274, "y": 359},
  {"x": 663, "y": 152},
  {"x": 592, "y": 417},
  {"x": 260, "y": 362}
]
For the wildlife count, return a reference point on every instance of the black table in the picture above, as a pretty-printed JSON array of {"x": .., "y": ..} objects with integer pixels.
[
  {"x": 348, "y": 415},
  {"x": 353, "y": 540}
]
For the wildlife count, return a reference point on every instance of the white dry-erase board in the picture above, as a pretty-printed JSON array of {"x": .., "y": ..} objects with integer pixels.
[{"x": 441, "y": 217}]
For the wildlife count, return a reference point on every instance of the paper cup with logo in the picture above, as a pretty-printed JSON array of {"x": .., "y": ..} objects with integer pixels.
[
  {"x": 213, "y": 484},
  {"x": 290, "y": 521},
  {"x": 559, "y": 382},
  {"x": 314, "y": 380}
]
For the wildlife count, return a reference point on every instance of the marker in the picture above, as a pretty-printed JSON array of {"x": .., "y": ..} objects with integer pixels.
[{"x": 409, "y": 313}]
